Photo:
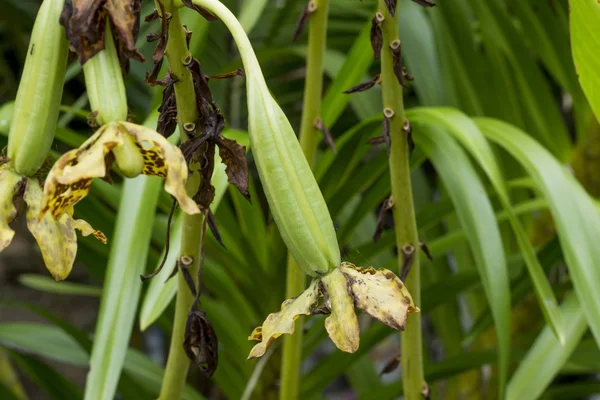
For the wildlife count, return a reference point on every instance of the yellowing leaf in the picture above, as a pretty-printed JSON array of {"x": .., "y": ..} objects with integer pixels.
[
  {"x": 56, "y": 237},
  {"x": 9, "y": 186},
  {"x": 342, "y": 324},
  {"x": 380, "y": 293},
  {"x": 282, "y": 322}
]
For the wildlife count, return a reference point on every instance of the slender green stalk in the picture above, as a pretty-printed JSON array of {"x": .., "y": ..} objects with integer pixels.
[
  {"x": 178, "y": 362},
  {"x": 296, "y": 279},
  {"x": 404, "y": 213}
]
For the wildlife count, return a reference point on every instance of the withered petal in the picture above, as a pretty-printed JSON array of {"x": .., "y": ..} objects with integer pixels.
[
  {"x": 9, "y": 187},
  {"x": 233, "y": 155},
  {"x": 342, "y": 324},
  {"x": 380, "y": 293},
  {"x": 282, "y": 322},
  {"x": 161, "y": 158},
  {"x": 55, "y": 237}
]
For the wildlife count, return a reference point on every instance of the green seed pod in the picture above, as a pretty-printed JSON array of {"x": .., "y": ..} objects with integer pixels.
[
  {"x": 294, "y": 197},
  {"x": 40, "y": 91},
  {"x": 104, "y": 83}
]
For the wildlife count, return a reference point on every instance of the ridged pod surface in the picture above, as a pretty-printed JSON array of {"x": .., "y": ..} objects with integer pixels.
[
  {"x": 294, "y": 197},
  {"x": 40, "y": 91}
]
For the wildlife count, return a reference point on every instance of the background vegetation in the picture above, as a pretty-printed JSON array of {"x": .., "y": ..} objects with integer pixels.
[{"x": 505, "y": 173}]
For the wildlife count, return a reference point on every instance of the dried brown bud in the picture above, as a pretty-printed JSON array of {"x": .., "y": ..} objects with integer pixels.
[
  {"x": 200, "y": 342},
  {"x": 376, "y": 35}
]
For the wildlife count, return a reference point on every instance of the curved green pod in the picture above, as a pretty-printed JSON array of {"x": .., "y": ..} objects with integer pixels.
[
  {"x": 294, "y": 197},
  {"x": 40, "y": 91}
]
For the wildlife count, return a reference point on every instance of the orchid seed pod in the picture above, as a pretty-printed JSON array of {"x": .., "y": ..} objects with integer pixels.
[
  {"x": 40, "y": 91},
  {"x": 305, "y": 224},
  {"x": 104, "y": 83}
]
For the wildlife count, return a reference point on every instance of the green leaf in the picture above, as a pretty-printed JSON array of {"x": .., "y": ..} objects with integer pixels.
[
  {"x": 122, "y": 285},
  {"x": 547, "y": 356},
  {"x": 46, "y": 284},
  {"x": 575, "y": 215},
  {"x": 476, "y": 216},
  {"x": 55, "y": 344},
  {"x": 47, "y": 378},
  {"x": 467, "y": 133},
  {"x": 250, "y": 13},
  {"x": 585, "y": 44}
]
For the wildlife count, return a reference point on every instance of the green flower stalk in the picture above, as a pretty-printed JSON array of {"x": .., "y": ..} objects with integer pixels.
[
  {"x": 303, "y": 219},
  {"x": 31, "y": 134}
]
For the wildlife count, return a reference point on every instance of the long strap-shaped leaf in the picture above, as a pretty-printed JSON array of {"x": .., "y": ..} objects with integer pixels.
[
  {"x": 575, "y": 215},
  {"x": 468, "y": 134},
  {"x": 585, "y": 42},
  {"x": 547, "y": 356},
  {"x": 476, "y": 216}
]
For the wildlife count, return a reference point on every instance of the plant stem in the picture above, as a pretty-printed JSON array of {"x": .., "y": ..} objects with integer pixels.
[
  {"x": 404, "y": 213},
  {"x": 313, "y": 87},
  {"x": 178, "y": 362}
]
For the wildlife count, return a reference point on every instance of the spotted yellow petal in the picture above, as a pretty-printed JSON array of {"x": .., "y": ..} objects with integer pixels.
[
  {"x": 70, "y": 178},
  {"x": 282, "y": 322},
  {"x": 9, "y": 187},
  {"x": 342, "y": 324},
  {"x": 161, "y": 158},
  {"x": 380, "y": 293},
  {"x": 56, "y": 237}
]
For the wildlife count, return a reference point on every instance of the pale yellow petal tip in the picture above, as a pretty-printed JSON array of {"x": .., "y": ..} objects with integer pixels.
[
  {"x": 10, "y": 185},
  {"x": 282, "y": 322}
]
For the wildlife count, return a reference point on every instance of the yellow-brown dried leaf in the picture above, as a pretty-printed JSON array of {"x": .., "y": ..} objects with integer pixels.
[{"x": 282, "y": 322}]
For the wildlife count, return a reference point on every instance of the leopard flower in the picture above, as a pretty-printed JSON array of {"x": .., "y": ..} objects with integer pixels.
[{"x": 135, "y": 150}]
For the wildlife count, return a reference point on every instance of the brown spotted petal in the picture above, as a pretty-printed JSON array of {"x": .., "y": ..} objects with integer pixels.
[
  {"x": 282, "y": 322},
  {"x": 161, "y": 158},
  {"x": 342, "y": 324},
  {"x": 9, "y": 187},
  {"x": 56, "y": 237},
  {"x": 70, "y": 178},
  {"x": 380, "y": 293}
]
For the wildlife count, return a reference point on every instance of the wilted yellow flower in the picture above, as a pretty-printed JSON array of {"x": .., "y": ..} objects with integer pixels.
[
  {"x": 135, "y": 150},
  {"x": 377, "y": 292},
  {"x": 56, "y": 238}
]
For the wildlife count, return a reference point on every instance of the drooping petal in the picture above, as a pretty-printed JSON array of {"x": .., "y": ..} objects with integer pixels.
[
  {"x": 342, "y": 324},
  {"x": 282, "y": 322},
  {"x": 56, "y": 237},
  {"x": 9, "y": 186},
  {"x": 140, "y": 151},
  {"x": 161, "y": 158},
  {"x": 380, "y": 293},
  {"x": 71, "y": 176}
]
